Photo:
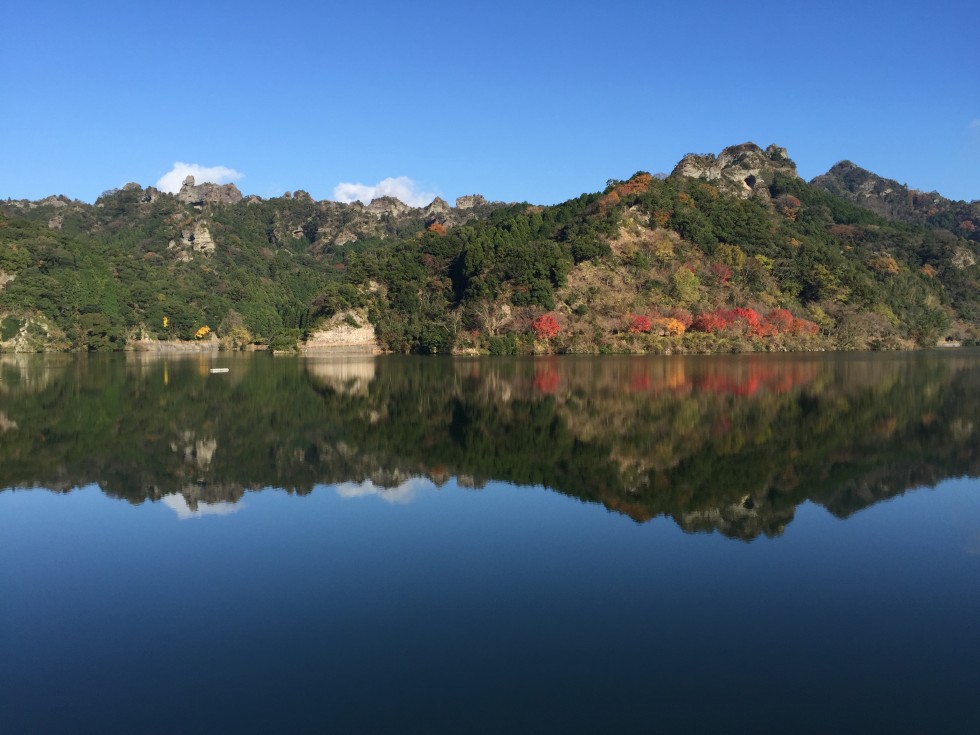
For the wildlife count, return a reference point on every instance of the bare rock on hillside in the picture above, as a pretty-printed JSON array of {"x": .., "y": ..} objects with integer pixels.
[
  {"x": 208, "y": 193},
  {"x": 744, "y": 170},
  {"x": 469, "y": 201}
]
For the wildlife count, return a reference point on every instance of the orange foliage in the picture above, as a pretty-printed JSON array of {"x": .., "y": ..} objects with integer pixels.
[
  {"x": 639, "y": 184},
  {"x": 438, "y": 229},
  {"x": 884, "y": 264},
  {"x": 682, "y": 315},
  {"x": 661, "y": 218}
]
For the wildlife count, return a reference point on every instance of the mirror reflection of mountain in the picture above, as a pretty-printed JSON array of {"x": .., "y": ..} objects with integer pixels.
[{"x": 728, "y": 444}]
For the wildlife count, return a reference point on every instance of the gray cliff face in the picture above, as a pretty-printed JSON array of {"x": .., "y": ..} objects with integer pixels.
[
  {"x": 744, "y": 170},
  {"x": 208, "y": 193},
  {"x": 389, "y": 206},
  {"x": 470, "y": 201}
]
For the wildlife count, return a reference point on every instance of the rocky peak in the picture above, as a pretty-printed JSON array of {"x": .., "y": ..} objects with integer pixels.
[
  {"x": 388, "y": 205},
  {"x": 437, "y": 206},
  {"x": 208, "y": 193},
  {"x": 745, "y": 170},
  {"x": 469, "y": 201},
  {"x": 883, "y": 196}
]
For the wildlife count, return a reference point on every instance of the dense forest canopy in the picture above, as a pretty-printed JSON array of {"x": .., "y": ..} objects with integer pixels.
[{"x": 676, "y": 264}]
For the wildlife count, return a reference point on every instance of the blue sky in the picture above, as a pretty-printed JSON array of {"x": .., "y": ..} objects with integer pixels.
[{"x": 517, "y": 101}]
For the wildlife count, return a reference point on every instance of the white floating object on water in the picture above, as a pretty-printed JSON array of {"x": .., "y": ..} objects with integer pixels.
[{"x": 219, "y": 370}]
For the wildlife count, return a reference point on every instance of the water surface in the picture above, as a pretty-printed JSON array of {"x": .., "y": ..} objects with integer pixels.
[{"x": 758, "y": 543}]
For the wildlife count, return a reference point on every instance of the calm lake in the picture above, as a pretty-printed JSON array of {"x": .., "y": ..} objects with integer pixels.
[{"x": 354, "y": 545}]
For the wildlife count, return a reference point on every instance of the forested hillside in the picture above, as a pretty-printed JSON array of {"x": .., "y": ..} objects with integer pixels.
[{"x": 746, "y": 257}]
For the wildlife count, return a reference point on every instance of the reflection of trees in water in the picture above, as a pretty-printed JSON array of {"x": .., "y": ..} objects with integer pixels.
[{"x": 717, "y": 443}]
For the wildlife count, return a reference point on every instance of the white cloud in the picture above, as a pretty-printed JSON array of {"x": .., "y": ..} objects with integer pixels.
[
  {"x": 178, "y": 504},
  {"x": 404, "y": 493},
  {"x": 171, "y": 181},
  {"x": 400, "y": 187}
]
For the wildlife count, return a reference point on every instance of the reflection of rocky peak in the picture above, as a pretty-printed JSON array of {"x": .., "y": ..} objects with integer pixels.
[
  {"x": 348, "y": 376},
  {"x": 744, "y": 170},
  {"x": 208, "y": 193},
  {"x": 745, "y": 519},
  {"x": 195, "y": 451}
]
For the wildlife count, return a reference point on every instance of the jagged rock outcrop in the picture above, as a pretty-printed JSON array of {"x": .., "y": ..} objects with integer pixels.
[
  {"x": 196, "y": 239},
  {"x": 436, "y": 207},
  {"x": 470, "y": 200},
  {"x": 744, "y": 170},
  {"x": 388, "y": 206},
  {"x": 208, "y": 193}
]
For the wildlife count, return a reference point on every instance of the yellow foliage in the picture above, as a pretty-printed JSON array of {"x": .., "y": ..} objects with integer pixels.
[
  {"x": 669, "y": 326},
  {"x": 202, "y": 332}
]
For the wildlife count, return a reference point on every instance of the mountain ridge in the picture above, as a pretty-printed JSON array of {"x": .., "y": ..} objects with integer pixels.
[{"x": 727, "y": 253}]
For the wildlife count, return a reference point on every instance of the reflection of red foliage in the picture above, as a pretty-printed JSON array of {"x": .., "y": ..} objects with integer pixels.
[
  {"x": 777, "y": 379},
  {"x": 545, "y": 326},
  {"x": 639, "y": 382},
  {"x": 547, "y": 380}
]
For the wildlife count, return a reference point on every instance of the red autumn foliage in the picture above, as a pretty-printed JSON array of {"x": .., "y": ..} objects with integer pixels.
[
  {"x": 640, "y": 324},
  {"x": 780, "y": 319},
  {"x": 744, "y": 320},
  {"x": 722, "y": 273},
  {"x": 709, "y": 322},
  {"x": 742, "y": 314},
  {"x": 804, "y": 326},
  {"x": 545, "y": 326}
]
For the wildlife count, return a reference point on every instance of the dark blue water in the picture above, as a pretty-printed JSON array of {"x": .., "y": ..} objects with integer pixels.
[{"x": 419, "y": 605}]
